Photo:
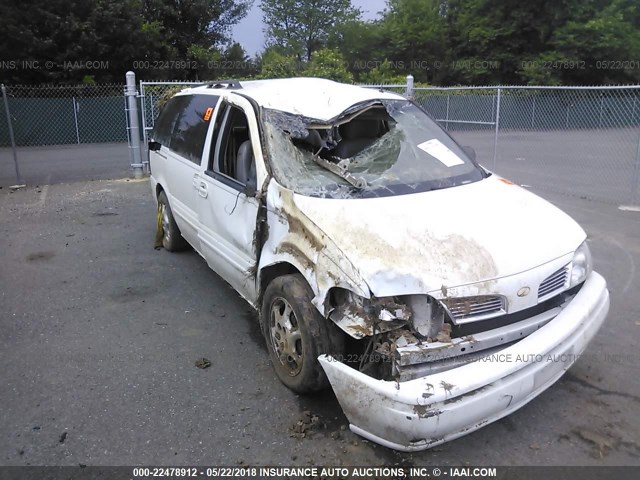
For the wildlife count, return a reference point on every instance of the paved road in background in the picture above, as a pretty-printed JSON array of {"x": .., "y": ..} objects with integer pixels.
[
  {"x": 99, "y": 335},
  {"x": 65, "y": 163},
  {"x": 595, "y": 164}
]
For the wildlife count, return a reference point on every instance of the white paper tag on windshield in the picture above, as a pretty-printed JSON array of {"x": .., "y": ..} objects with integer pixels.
[{"x": 439, "y": 150}]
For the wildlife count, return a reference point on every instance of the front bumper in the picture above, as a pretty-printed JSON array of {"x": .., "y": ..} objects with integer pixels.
[{"x": 421, "y": 413}]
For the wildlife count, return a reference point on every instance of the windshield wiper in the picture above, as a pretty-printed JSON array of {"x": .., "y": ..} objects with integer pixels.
[{"x": 358, "y": 182}]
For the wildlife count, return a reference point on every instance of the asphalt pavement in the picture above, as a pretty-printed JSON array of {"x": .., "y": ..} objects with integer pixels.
[
  {"x": 593, "y": 164},
  {"x": 64, "y": 163},
  {"x": 100, "y": 335}
]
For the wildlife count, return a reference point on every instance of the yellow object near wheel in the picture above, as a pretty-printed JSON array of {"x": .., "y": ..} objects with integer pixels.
[{"x": 159, "y": 229}]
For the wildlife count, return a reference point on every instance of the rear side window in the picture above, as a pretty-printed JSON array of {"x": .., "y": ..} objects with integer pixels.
[
  {"x": 191, "y": 126},
  {"x": 167, "y": 120}
]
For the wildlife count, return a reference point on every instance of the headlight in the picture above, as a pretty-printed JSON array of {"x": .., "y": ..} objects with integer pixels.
[
  {"x": 580, "y": 265},
  {"x": 385, "y": 309}
]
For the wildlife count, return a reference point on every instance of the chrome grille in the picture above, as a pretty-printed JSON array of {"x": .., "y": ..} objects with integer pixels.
[
  {"x": 554, "y": 282},
  {"x": 469, "y": 309}
]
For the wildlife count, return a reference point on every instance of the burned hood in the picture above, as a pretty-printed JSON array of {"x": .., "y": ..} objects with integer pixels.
[{"x": 410, "y": 244}]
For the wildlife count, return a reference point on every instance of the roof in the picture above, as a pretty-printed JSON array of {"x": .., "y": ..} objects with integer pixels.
[{"x": 310, "y": 97}]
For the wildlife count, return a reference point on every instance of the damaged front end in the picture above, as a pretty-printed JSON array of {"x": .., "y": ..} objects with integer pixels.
[
  {"x": 388, "y": 328},
  {"x": 424, "y": 363},
  {"x": 428, "y": 390}
]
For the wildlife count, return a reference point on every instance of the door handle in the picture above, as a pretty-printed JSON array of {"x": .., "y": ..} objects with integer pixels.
[
  {"x": 202, "y": 190},
  {"x": 200, "y": 185}
]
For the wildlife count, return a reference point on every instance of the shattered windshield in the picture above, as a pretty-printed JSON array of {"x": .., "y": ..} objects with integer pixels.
[{"x": 377, "y": 149}]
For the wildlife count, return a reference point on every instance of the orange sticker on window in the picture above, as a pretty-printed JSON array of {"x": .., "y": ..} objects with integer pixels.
[{"x": 208, "y": 113}]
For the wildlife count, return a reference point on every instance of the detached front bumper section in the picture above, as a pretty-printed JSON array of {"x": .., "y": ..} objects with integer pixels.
[{"x": 421, "y": 413}]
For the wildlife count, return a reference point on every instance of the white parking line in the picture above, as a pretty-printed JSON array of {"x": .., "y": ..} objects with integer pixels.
[
  {"x": 43, "y": 196},
  {"x": 629, "y": 208}
]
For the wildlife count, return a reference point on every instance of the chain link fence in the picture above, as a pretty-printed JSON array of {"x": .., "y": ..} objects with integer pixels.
[
  {"x": 64, "y": 115},
  {"x": 583, "y": 141}
]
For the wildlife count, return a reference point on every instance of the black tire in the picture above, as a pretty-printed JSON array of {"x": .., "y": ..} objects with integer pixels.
[
  {"x": 172, "y": 239},
  {"x": 296, "y": 362}
]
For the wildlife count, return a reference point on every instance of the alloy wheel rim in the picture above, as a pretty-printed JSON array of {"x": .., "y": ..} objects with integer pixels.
[
  {"x": 286, "y": 339},
  {"x": 165, "y": 223}
]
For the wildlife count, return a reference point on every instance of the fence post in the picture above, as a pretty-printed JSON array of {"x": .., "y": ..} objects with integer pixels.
[
  {"x": 75, "y": 117},
  {"x": 447, "y": 122},
  {"x": 410, "y": 87},
  {"x": 495, "y": 140},
  {"x": 143, "y": 107},
  {"x": 153, "y": 110},
  {"x": 12, "y": 138},
  {"x": 133, "y": 126}
]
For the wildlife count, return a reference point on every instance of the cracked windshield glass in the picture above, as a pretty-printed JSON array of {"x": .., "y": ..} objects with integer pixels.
[{"x": 379, "y": 149}]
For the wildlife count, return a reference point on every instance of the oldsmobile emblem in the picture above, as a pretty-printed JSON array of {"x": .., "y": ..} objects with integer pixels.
[{"x": 524, "y": 291}]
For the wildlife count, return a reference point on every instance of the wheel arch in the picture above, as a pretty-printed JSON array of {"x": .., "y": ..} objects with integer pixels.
[
  {"x": 269, "y": 273},
  {"x": 273, "y": 271}
]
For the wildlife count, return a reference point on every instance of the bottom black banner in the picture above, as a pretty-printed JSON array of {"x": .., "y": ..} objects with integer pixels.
[{"x": 83, "y": 472}]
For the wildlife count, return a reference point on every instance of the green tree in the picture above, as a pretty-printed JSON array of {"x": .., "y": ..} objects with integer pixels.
[
  {"x": 274, "y": 63},
  {"x": 415, "y": 33},
  {"x": 499, "y": 41},
  {"x": 364, "y": 45},
  {"x": 207, "y": 61},
  {"x": 108, "y": 19},
  {"x": 383, "y": 74},
  {"x": 328, "y": 63},
  {"x": 602, "y": 49},
  {"x": 496, "y": 31},
  {"x": 236, "y": 63},
  {"x": 517, "y": 40},
  {"x": 303, "y": 26},
  {"x": 99, "y": 40},
  {"x": 232, "y": 62},
  {"x": 68, "y": 40},
  {"x": 411, "y": 37},
  {"x": 188, "y": 27}
]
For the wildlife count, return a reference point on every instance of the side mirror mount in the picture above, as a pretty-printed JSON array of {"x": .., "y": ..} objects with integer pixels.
[
  {"x": 251, "y": 188},
  {"x": 154, "y": 146},
  {"x": 470, "y": 152}
]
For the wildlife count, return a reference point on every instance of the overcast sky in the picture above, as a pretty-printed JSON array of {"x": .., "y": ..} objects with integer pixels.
[{"x": 250, "y": 32}]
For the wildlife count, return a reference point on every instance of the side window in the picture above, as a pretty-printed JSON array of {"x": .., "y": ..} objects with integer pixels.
[
  {"x": 234, "y": 154},
  {"x": 220, "y": 116},
  {"x": 191, "y": 126},
  {"x": 167, "y": 120}
]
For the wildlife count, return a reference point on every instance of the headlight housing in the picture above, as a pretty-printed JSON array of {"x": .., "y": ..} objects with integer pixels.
[
  {"x": 581, "y": 265},
  {"x": 385, "y": 309}
]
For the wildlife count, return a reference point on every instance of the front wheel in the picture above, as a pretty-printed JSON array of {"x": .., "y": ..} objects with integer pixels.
[{"x": 296, "y": 334}]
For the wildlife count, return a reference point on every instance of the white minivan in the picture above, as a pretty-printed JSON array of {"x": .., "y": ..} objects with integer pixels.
[{"x": 433, "y": 296}]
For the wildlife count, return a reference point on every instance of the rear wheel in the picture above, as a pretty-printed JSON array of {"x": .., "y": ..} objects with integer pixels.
[
  {"x": 172, "y": 239},
  {"x": 296, "y": 334}
]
